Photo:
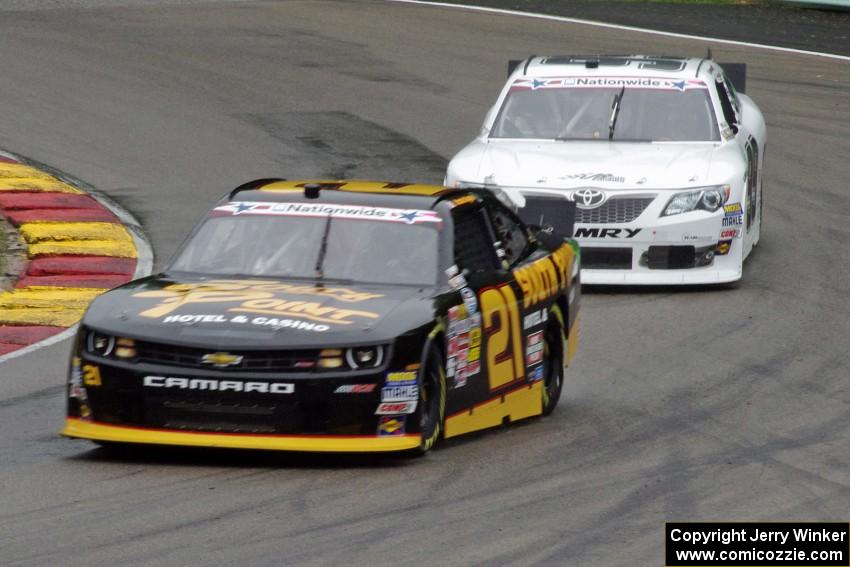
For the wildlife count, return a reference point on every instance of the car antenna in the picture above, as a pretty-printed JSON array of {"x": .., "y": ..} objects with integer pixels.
[
  {"x": 311, "y": 190},
  {"x": 708, "y": 55}
]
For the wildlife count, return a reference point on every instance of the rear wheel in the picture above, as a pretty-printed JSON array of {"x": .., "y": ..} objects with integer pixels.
[
  {"x": 554, "y": 342},
  {"x": 432, "y": 399}
]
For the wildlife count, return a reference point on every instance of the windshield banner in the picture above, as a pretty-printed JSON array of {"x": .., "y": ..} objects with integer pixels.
[
  {"x": 607, "y": 82},
  {"x": 324, "y": 210}
]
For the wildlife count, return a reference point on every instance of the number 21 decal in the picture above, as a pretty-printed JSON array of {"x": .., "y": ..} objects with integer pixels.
[{"x": 500, "y": 313}]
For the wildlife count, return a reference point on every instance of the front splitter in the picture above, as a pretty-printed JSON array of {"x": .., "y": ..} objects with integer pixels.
[{"x": 80, "y": 429}]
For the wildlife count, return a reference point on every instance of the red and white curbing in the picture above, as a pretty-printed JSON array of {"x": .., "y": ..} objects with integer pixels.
[{"x": 79, "y": 244}]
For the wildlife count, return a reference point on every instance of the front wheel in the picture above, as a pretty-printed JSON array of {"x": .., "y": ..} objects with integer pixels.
[
  {"x": 432, "y": 399},
  {"x": 553, "y": 360}
]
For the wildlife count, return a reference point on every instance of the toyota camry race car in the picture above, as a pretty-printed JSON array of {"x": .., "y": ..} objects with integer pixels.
[
  {"x": 332, "y": 316},
  {"x": 662, "y": 157}
]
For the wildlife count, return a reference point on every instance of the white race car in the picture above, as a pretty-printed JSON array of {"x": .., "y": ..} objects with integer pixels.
[{"x": 662, "y": 157}]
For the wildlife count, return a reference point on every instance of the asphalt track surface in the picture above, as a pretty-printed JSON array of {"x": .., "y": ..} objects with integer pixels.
[{"x": 683, "y": 405}]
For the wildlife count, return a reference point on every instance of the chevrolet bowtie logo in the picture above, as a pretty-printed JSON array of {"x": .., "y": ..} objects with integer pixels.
[{"x": 221, "y": 359}]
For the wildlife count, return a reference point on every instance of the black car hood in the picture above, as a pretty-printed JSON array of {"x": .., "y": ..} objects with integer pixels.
[{"x": 259, "y": 313}]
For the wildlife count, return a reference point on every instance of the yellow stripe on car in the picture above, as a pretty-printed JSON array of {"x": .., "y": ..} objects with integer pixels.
[
  {"x": 573, "y": 339},
  {"x": 80, "y": 429},
  {"x": 518, "y": 404},
  {"x": 357, "y": 186}
]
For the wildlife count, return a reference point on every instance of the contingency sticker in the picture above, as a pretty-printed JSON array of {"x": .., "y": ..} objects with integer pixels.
[
  {"x": 391, "y": 425},
  {"x": 324, "y": 210},
  {"x": 723, "y": 247},
  {"x": 534, "y": 351},
  {"x": 733, "y": 215},
  {"x": 464, "y": 343},
  {"x": 396, "y": 408}
]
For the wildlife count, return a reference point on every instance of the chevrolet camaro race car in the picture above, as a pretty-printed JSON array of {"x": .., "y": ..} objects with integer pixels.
[
  {"x": 662, "y": 157},
  {"x": 332, "y": 316}
]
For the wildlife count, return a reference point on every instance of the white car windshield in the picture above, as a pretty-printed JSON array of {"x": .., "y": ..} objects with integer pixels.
[
  {"x": 552, "y": 109},
  {"x": 307, "y": 241}
]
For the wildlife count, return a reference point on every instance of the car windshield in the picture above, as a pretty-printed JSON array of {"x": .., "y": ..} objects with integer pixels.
[
  {"x": 560, "y": 108},
  {"x": 297, "y": 240}
]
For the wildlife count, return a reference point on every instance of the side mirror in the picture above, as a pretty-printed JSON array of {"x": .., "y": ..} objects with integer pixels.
[
  {"x": 550, "y": 215},
  {"x": 513, "y": 64},
  {"x": 737, "y": 75}
]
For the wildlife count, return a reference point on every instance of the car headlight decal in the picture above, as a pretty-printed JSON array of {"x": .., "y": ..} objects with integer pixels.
[
  {"x": 364, "y": 357},
  {"x": 707, "y": 199},
  {"x": 99, "y": 343}
]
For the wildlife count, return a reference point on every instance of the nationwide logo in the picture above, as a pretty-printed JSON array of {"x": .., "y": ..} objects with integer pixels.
[
  {"x": 654, "y": 83},
  {"x": 324, "y": 210},
  {"x": 204, "y": 384}
]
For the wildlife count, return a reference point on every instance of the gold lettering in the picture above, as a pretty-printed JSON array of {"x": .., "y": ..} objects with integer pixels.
[
  {"x": 173, "y": 300},
  {"x": 311, "y": 308},
  {"x": 521, "y": 276}
]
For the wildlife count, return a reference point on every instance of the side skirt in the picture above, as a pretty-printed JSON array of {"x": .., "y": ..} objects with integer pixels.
[{"x": 525, "y": 401}]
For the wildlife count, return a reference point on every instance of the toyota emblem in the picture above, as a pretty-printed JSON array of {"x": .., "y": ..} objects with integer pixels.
[{"x": 588, "y": 198}]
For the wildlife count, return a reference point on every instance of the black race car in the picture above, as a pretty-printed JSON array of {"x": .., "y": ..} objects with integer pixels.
[{"x": 332, "y": 316}]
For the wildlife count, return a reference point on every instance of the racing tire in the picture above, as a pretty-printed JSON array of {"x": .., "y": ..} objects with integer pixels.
[
  {"x": 554, "y": 346},
  {"x": 432, "y": 399}
]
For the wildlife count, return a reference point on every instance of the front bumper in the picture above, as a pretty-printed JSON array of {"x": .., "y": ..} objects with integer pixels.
[
  {"x": 649, "y": 249},
  {"x": 80, "y": 429},
  {"x": 117, "y": 401}
]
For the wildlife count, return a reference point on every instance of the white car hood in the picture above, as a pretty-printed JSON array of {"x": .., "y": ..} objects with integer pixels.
[{"x": 608, "y": 165}]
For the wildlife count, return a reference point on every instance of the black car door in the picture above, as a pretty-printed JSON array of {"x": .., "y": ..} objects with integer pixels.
[{"x": 488, "y": 348}]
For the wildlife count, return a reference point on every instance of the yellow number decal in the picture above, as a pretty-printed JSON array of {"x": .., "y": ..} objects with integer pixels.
[
  {"x": 516, "y": 331},
  {"x": 500, "y": 314},
  {"x": 91, "y": 375}
]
